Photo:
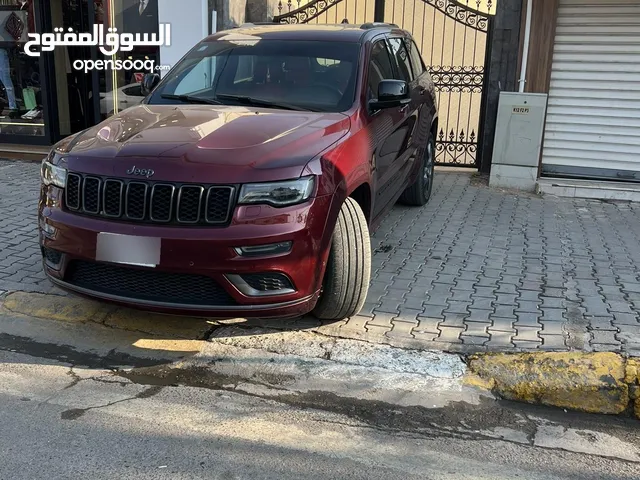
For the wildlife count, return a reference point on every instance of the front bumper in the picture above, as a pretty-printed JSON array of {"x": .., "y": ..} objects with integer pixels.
[{"x": 199, "y": 271}]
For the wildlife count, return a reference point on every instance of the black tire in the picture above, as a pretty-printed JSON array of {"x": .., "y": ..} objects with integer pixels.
[
  {"x": 419, "y": 192},
  {"x": 346, "y": 279}
]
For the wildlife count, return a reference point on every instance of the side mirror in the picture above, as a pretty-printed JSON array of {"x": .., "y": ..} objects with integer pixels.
[
  {"x": 149, "y": 82},
  {"x": 391, "y": 93}
]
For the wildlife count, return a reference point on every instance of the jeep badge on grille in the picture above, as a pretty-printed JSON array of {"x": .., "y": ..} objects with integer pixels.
[{"x": 141, "y": 172}]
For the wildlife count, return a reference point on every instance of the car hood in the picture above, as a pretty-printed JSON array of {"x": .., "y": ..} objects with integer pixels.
[{"x": 204, "y": 142}]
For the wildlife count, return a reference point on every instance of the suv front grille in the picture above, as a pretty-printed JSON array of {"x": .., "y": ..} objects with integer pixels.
[
  {"x": 150, "y": 285},
  {"x": 149, "y": 202}
]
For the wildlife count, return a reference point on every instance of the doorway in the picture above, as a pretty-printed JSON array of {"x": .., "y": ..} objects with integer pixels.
[{"x": 86, "y": 98}]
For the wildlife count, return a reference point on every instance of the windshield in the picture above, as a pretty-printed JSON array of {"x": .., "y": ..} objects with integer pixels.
[{"x": 308, "y": 75}]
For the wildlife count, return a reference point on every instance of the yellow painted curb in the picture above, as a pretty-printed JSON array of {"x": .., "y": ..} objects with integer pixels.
[
  {"x": 80, "y": 310},
  {"x": 588, "y": 382},
  {"x": 632, "y": 377},
  {"x": 56, "y": 307}
]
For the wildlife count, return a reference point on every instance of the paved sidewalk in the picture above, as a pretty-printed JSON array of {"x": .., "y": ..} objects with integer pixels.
[{"x": 477, "y": 269}]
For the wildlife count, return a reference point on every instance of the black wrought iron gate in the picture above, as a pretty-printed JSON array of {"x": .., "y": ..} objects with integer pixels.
[{"x": 453, "y": 39}]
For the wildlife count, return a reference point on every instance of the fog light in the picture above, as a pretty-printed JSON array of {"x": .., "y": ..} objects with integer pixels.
[
  {"x": 52, "y": 257},
  {"x": 262, "y": 284},
  {"x": 259, "y": 250}
]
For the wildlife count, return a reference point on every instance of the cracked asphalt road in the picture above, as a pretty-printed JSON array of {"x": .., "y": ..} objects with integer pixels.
[
  {"x": 59, "y": 422},
  {"x": 74, "y": 404}
]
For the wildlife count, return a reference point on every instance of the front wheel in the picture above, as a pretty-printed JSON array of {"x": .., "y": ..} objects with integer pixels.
[
  {"x": 346, "y": 280},
  {"x": 419, "y": 193}
]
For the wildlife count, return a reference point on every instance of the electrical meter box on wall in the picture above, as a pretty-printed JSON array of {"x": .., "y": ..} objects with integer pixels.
[{"x": 518, "y": 139}]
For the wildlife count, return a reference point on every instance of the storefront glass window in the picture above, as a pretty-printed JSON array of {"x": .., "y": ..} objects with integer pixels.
[
  {"x": 120, "y": 89},
  {"x": 21, "y": 90}
]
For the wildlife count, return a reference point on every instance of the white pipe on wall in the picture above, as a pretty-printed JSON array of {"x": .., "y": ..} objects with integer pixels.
[{"x": 525, "y": 49}]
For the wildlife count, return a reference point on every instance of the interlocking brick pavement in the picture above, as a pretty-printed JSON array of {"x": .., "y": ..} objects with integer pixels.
[{"x": 476, "y": 269}]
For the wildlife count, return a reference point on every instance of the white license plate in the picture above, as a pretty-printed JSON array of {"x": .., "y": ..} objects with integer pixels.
[{"x": 128, "y": 249}]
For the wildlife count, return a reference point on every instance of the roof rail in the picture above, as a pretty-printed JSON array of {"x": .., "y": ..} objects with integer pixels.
[
  {"x": 253, "y": 24},
  {"x": 367, "y": 26}
]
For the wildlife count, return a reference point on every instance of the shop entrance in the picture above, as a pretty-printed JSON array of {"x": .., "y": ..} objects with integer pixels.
[
  {"x": 86, "y": 98},
  {"x": 74, "y": 89}
]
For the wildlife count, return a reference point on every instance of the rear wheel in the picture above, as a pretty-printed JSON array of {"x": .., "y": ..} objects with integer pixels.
[
  {"x": 346, "y": 279},
  {"x": 419, "y": 192}
]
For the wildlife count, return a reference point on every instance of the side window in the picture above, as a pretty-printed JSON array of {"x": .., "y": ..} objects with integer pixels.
[
  {"x": 402, "y": 59},
  {"x": 416, "y": 58},
  {"x": 379, "y": 67}
]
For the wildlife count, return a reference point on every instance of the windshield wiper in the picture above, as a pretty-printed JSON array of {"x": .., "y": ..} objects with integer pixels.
[
  {"x": 257, "y": 102},
  {"x": 191, "y": 99}
]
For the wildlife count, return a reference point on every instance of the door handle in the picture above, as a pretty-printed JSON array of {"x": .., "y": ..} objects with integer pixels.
[{"x": 404, "y": 108}]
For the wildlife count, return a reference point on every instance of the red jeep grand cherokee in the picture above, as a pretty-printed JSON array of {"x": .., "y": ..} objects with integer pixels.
[{"x": 246, "y": 182}]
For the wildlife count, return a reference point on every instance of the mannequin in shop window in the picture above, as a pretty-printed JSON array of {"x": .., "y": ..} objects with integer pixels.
[{"x": 5, "y": 78}]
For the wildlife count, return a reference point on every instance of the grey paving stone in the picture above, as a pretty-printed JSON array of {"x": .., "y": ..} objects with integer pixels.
[
  {"x": 453, "y": 320},
  {"x": 552, "y": 302},
  {"x": 553, "y": 342},
  {"x": 529, "y": 296},
  {"x": 527, "y": 334},
  {"x": 476, "y": 329},
  {"x": 388, "y": 306},
  {"x": 377, "y": 330},
  {"x": 524, "y": 306},
  {"x": 450, "y": 334},
  {"x": 604, "y": 337},
  {"x": 382, "y": 319},
  {"x": 553, "y": 314},
  {"x": 500, "y": 340},
  {"x": 401, "y": 329},
  {"x": 553, "y": 328},
  {"x": 626, "y": 318},
  {"x": 414, "y": 303},
  {"x": 603, "y": 323},
  {"x": 505, "y": 311},
  {"x": 620, "y": 307},
  {"x": 460, "y": 296},
  {"x": 506, "y": 299},
  {"x": 428, "y": 324},
  {"x": 458, "y": 307},
  {"x": 476, "y": 341},
  {"x": 482, "y": 303},
  {"x": 433, "y": 311},
  {"x": 476, "y": 315}
]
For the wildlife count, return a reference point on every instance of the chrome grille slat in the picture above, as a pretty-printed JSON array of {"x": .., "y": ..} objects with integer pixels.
[{"x": 149, "y": 202}]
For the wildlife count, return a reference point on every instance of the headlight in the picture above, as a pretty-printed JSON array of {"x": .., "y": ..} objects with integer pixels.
[
  {"x": 53, "y": 175},
  {"x": 278, "y": 194}
]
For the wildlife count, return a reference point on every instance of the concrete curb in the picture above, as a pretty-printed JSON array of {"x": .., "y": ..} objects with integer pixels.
[{"x": 605, "y": 383}]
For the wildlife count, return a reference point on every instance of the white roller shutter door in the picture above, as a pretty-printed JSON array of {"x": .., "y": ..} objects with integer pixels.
[{"x": 593, "y": 116}]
